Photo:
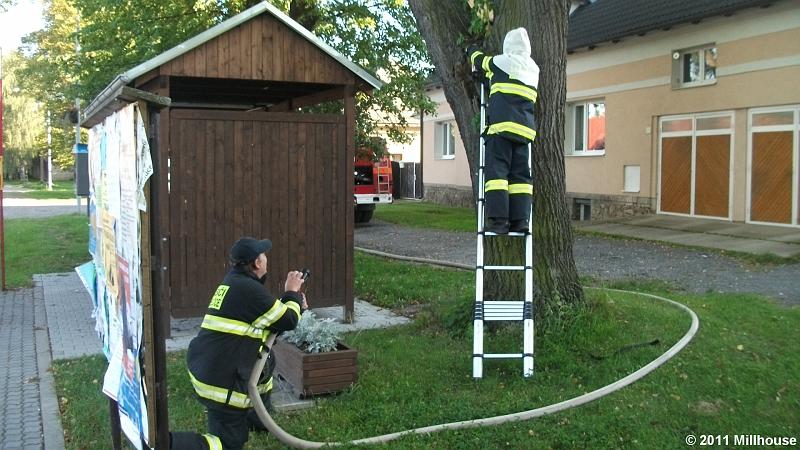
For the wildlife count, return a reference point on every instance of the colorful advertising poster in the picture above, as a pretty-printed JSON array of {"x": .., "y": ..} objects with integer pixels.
[{"x": 119, "y": 164}]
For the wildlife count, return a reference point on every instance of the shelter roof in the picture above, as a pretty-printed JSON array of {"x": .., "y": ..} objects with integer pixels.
[{"x": 99, "y": 107}]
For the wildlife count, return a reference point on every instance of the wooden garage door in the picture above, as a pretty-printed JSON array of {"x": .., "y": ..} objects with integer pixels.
[
  {"x": 771, "y": 185},
  {"x": 676, "y": 174},
  {"x": 712, "y": 175}
]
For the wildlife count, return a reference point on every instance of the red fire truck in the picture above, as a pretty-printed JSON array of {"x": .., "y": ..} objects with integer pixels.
[{"x": 372, "y": 185}]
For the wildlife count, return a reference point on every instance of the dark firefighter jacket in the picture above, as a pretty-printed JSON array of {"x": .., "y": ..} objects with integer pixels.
[
  {"x": 510, "y": 112},
  {"x": 239, "y": 319}
]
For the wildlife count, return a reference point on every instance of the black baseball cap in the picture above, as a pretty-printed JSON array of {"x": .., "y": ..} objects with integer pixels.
[{"x": 247, "y": 249}]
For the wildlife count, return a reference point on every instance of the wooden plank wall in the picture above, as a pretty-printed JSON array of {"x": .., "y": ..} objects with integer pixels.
[
  {"x": 260, "y": 49},
  {"x": 275, "y": 175},
  {"x": 676, "y": 174}
]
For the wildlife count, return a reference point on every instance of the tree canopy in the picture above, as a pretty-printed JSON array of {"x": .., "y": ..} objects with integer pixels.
[
  {"x": 24, "y": 139},
  {"x": 114, "y": 36}
]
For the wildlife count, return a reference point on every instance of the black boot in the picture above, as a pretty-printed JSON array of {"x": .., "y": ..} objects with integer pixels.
[
  {"x": 519, "y": 226},
  {"x": 183, "y": 440},
  {"x": 497, "y": 226}
]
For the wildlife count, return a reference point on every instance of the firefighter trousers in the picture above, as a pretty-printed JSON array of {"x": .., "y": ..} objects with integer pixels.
[
  {"x": 228, "y": 427},
  {"x": 227, "y": 430},
  {"x": 508, "y": 180}
]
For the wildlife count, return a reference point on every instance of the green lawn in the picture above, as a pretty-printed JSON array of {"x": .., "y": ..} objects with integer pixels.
[
  {"x": 54, "y": 244},
  {"x": 38, "y": 189},
  {"x": 739, "y": 375},
  {"x": 427, "y": 215}
]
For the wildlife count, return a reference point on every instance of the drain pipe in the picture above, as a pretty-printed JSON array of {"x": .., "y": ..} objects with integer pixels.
[{"x": 296, "y": 442}]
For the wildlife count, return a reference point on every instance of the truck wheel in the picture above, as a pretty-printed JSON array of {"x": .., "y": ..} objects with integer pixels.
[
  {"x": 363, "y": 213},
  {"x": 364, "y": 216}
]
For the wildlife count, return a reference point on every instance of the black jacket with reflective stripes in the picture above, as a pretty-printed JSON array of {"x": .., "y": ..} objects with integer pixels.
[
  {"x": 239, "y": 318},
  {"x": 510, "y": 110}
]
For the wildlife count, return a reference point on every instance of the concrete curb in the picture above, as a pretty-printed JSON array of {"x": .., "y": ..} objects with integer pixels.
[{"x": 52, "y": 431}]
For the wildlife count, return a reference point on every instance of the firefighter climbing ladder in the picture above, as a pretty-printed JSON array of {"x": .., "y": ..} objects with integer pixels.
[{"x": 500, "y": 310}]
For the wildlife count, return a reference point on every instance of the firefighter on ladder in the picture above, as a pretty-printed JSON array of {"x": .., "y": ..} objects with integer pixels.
[
  {"x": 240, "y": 317},
  {"x": 511, "y": 79}
]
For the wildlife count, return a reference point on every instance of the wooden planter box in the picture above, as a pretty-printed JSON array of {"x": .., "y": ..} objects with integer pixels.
[{"x": 316, "y": 373}]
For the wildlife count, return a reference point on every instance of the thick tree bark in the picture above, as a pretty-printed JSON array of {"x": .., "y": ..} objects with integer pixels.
[{"x": 442, "y": 25}]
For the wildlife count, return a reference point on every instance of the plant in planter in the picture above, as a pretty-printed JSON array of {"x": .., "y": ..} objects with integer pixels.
[{"x": 313, "y": 359}]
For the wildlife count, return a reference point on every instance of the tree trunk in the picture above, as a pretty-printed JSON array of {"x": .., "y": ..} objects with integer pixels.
[{"x": 443, "y": 25}]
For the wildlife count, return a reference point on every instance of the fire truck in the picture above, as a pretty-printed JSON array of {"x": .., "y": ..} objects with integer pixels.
[{"x": 372, "y": 185}]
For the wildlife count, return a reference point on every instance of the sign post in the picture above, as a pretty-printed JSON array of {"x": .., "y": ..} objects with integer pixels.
[{"x": 2, "y": 219}]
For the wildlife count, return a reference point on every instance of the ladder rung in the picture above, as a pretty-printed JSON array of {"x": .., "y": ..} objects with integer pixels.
[
  {"x": 502, "y": 355},
  {"x": 503, "y": 310},
  {"x": 505, "y": 267},
  {"x": 511, "y": 233}
]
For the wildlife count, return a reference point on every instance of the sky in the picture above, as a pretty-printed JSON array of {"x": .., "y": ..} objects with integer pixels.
[{"x": 19, "y": 20}]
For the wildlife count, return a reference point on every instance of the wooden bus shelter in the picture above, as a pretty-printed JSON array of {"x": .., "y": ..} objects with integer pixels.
[{"x": 234, "y": 155}]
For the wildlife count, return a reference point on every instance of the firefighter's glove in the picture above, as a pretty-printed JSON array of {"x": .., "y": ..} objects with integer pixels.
[{"x": 472, "y": 48}]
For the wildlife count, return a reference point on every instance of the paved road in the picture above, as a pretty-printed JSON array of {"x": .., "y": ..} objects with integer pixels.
[
  {"x": 15, "y": 208},
  {"x": 607, "y": 259}
]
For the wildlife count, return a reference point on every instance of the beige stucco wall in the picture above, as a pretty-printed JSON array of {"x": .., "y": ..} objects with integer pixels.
[
  {"x": 452, "y": 172},
  {"x": 758, "y": 66},
  {"x": 753, "y": 71}
]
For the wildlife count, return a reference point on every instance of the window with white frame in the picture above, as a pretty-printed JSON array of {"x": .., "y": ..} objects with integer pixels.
[
  {"x": 695, "y": 66},
  {"x": 586, "y": 128},
  {"x": 445, "y": 137}
]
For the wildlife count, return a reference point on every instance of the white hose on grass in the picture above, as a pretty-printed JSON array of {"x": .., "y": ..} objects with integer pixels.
[{"x": 296, "y": 442}]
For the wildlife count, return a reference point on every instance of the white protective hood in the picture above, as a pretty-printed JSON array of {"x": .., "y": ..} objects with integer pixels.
[{"x": 516, "y": 59}]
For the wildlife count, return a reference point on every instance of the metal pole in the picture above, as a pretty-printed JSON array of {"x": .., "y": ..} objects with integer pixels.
[
  {"x": 2, "y": 219},
  {"x": 49, "y": 154},
  {"x": 78, "y": 111}
]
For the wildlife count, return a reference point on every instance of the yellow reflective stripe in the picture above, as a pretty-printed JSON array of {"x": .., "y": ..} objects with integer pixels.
[
  {"x": 230, "y": 326},
  {"x": 474, "y": 56},
  {"x": 512, "y": 127},
  {"x": 213, "y": 442},
  {"x": 496, "y": 185},
  {"x": 218, "y": 394},
  {"x": 486, "y": 68},
  {"x": 514, "y": 89},
  {"x": 268, "y": 318},
  {"x": 266, "y": 387},
  {"x": 520, "y": 188},
  {"x": 294, "y": 307}
]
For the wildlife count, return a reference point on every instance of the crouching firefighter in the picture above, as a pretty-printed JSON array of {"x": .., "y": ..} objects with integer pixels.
[
  {"x": 240, "y": 317},
  {"x": 511, "y": 79}
]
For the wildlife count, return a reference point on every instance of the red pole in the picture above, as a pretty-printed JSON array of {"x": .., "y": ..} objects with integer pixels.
[{"x": 2, "y": 220}]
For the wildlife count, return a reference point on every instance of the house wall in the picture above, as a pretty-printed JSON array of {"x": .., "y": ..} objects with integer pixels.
[
  {"x": 447, "y": 181},
  {"x": 758, "y": 65}
]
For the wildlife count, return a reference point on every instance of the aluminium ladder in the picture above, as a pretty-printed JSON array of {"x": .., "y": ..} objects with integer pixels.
[{"x": 501, "y": 310}]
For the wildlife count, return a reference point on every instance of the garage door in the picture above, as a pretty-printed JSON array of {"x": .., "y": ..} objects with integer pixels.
[
  {"x": 695, "y": 165},
  {"x": 773, "y": 175}
]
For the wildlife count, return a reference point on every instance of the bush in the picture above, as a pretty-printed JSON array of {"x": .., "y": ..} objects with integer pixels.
[{"x": 313, "y": 335}]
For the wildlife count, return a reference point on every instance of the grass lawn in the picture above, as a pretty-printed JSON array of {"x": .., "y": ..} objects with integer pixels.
[
  {"x": 427, "y": 215},
  {"x": 54, "y": 244},
  {"x": 38, "y": 189},
  {"x": 738, "y": 376}
]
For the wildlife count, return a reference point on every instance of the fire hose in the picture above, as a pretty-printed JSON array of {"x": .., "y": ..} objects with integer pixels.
[{"x": 296, "y": 442}]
